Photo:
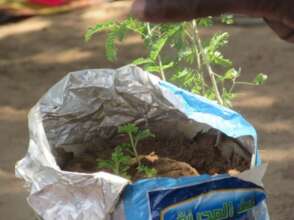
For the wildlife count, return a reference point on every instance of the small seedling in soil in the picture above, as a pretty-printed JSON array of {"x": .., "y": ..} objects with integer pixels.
[
  {"x": 118, "y": 164},
  {"x": 135, "y": 136},
  {"x": 121, "y": 158}
]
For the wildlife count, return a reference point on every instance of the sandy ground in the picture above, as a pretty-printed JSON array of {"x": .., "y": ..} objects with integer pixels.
[{"x": 36, "y": 53}]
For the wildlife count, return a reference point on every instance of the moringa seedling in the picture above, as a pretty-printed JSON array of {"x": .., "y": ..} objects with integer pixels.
[
  {"x": 119, "y": 163},
  {"x": 180, "y": 54},
  {"x": 135, "y": 136},
  {"x": 121, "y": 158}
]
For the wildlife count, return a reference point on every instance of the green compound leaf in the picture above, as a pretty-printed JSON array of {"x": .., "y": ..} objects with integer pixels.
[
  {"x": 227, "y": 19},
  {"x": 141, "y": 61},
  {"x": 99, "y": 28},
  {"x": 111, "y": 51},
  {"x": 143, "y": 134},
  {"x": 231, "y": 74},
  {"x": 228, "y": 97},
  {"x": 217, "y": 41},
  {"x": 260, "y": 79},
  {"x": 157, "y": 47},
  {"x": 216, "y": 57},
  {"x": 128, "y": 128},
  {"x": 186, "y": 54},
  {"x": 205, "y": 22},
  {"x": 168, "y": 66},
  {"x": 135, "y": 26},
  {"x": 152, "y": 68}
]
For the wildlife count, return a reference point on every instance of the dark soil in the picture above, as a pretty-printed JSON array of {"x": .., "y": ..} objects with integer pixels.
[
  {"x": 171, "y": 158},
  {"x": 203, "y": 153}
]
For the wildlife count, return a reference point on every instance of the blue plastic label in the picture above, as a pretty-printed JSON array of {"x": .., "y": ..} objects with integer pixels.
[{"x": 209, "y": 201}]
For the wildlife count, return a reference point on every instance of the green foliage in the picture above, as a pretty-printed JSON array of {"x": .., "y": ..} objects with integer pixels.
[
  {"x": 194, "y": 60},
  {"x": 260, "y": 79},
  {"x": 128, "y": 129},
  {"x": 135, "y": 136},
  {"x": 227, "y": 19},
  {"x": 107, "y": 26},
  {"x": 119, "y": 163},
  {"x": 147, "y": 171},
  {"x": 205, "y": 22},
  {"x": 121, "y": 158}
]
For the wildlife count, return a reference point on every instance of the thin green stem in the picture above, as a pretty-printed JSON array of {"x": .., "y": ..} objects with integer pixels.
[
  {"x": 207, "y": 64},
  {"x": 116, "y": 164},
  {"x": 245, "y": 83},
  {"x": 233, "y": 85},
  {"x": 159, "y": 60},
  {"x": 162, "y": 73},
  {"x": 134, "y": 146},
  {"x": 194, "y": 37},
  {"x": 196, "y": 51}
]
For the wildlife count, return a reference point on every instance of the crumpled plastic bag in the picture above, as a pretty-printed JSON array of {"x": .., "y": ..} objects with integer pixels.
[{"x": 86, "y": 107}]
